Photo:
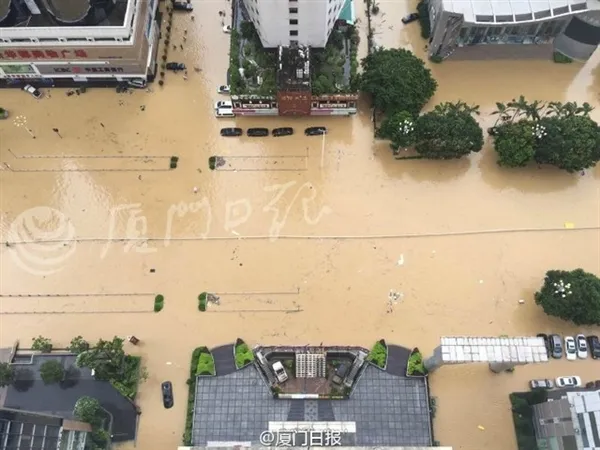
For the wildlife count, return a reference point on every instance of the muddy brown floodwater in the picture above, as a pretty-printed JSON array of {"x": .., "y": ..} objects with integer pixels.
[{"x": 344, "y": 185}]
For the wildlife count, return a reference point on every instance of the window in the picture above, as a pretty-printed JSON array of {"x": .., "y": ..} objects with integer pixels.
[
  {"x": 293, "y": 32},
  {"x": 293, "y": 43},
  {"x": 293, "y": 10},
  {"x": 293, "y": 21}
]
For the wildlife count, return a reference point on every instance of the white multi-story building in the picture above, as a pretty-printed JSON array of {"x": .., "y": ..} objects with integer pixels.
[{"x": 294, "y": 22}]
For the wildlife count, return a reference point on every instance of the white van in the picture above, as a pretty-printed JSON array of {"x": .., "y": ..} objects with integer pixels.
[{"x": 224, "y": 112}]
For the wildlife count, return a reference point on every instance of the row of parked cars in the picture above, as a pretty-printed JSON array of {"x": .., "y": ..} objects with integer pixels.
[
  {"x": 276, "y": 132},
  {"x": 574, "y": 347}
]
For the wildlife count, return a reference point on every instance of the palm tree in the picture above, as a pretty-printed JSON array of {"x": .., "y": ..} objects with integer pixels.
[
  {"x": 518, "y": 106},
  {"x": 555, "y": 108},
  {"x": 503, "y": 113},
  {"x": 570, "y": 109},
  {"x": 532, "y": 111},
  {"x": 586, "y": 109}
]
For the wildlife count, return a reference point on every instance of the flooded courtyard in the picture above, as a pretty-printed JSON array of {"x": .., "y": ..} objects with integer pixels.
[{"x": 298, "y": 256}]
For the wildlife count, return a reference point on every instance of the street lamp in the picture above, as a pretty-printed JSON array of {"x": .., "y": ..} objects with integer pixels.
[{"x": 21, "y": 122}]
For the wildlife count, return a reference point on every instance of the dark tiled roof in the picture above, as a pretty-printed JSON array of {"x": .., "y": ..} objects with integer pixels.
[{"x": 29, "y": 393}]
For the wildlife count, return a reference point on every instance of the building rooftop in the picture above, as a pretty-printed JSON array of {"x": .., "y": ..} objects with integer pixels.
[
  {"x": 30, "y": 393},
  {"x": 506, "y": 11},
  {"x": 4, "y": 9},
  {"x": 69, "y": 11},
  {"x": 293, "y": 71}
]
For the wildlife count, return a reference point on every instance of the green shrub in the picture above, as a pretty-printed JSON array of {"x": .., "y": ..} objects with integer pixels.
[
  {"x": 202, "y": 301},
  {"x": 52, "y": 371},
  {"x": 378, "y": 354},
  {"x": 436, "y": 59},
  {"x": 159, "y": 303},
  {"x": 206, "y": 364},
  {"x": 243, "y": 354},
  {"x": 415, "y": 364},
  {"x": 561, "y": 59},
  {"x": 423, "y": 11},
  {"x": 41, "y": 344},
  {"x": 78, "y": 345},
  {"x": 173, "y": 162},
  {"x": 212, "y": 161},
  {"x": 87, "y": 409},
  {"x": 127, "y": 383},
  {"x": 191, "y": 382}
]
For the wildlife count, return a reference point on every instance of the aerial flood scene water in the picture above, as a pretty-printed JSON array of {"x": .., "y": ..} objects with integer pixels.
[{"x": 306, "y": 240}]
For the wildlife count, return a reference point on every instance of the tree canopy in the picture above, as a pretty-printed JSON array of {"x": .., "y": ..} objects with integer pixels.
[
  {"x": 78, "y": 345},
  {"x": 7, "y": 374},
  {"x": 397, "y": 80},
  {"x": 571, "y": 295},
  {"x": 515, "y": 144},
  {"x": 107, "y": 358},
  {"x": 87, "y": 409},
  {"x": 448, "y": 132},
  {"x": 52, "y": 371},
  {"x": 398, "y": 128}
]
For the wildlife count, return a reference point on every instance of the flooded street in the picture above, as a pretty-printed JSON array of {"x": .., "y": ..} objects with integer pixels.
[{"x": 299, "y": 256}]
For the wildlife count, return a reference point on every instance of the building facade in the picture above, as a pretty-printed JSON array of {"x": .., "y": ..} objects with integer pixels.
[
  {"x": 571, "y": 27},
  {"x": 75, "y": 41},
  {"x": 294, "y": 22}
]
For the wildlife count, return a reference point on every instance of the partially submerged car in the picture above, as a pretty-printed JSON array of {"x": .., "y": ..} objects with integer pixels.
[
  {"x": 280, "y": 372},
  {"x": 175, "y": 66},
  {"x": 315, "y": 131},
  {"x": 541, "y": 384},
  {"x": 224, "y": 112},
  {"x": 227, "y": 29},
  {"x": 410, "y": 18},
  {"x": 594, "y": 346},
  {"x": 33, "y": 91},
  {"x": 284, "y": 131},
  {"x": 570, "y": 348},
  {"x": 224, "y": 89},
  {"x": 231, "y": 132},
  {"x": 257, "y": 132},
  {"x": 167, "y": 394},
  {"x": 223, "y": 104},
  {"x": 582, "y": 347},
  {"x": 573, "y": 381},
  {"x": 182, "y": 6},
  {"x": 555, "y": 344}
]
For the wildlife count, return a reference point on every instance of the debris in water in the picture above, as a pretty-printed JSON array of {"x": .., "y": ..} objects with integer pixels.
[
  {"x": 152, "y": 270},
  {"x": 521, "y": 301},
  {"x": 235, "y": 232},
  {"x": 480, "y": 281},
  {"x": 393, "y": 298},
  {"x": 401, "y": 260},
  {"x": 143, "y": 107},
  {"x": 481, "y": 427},
  {"x": 195, "y": 190}
]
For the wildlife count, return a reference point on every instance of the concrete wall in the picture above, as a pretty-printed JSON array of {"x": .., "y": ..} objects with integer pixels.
[{"x": 581, "y": 37}]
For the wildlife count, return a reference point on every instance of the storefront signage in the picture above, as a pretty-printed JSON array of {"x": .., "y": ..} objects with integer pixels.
[
  {"x": 42, "y": 54},
  {"x": 256, "y": 105},
  {"x": 333, "y": 105},
  {"x": 74, "y": 69}
]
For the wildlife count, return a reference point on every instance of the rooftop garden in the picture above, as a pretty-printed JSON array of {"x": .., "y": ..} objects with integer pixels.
[
  {"x": 522, "y": 411},
  {"x": 334, "y": 69},
  {"x": 202, "y": 363},
  {"x": 378, "y": 354},
  {"x": 243, "y": 354},
  {"x": 252, "y": 68}
]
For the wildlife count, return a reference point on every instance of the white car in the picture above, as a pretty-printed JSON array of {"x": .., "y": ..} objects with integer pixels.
[
  {"x": 573, "y": 381},
  {"x": 570, "y": 348},
  {"x": 226, "y": 112},
  {"x": 582, "y": 348},
  {"x": 280, "y": 372},
  {"x": 223, "y": 89},
  {"x": 223, "y": 104},
  {"x": 227, "y": 29},
  {"x": 33, "y": 91}
]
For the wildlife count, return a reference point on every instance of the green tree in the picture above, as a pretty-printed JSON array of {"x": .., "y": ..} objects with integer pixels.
[
  {"x": 52, "y": 372},
  {"x": 106, "y": 358},
  {"x": 7, "y": 374},
  {"x": 398, "y": 128},
  {"x": 573, "y": 296},
  {"x": 397, "y": 81},
  {"x": 87, "y": 410},
  {"x": 515, "y": 144},
  {"x": 571, "y": 143},
  {"x": 247, "y": 30},
  {"x": 448, "y": 132},
  {"x": 41, "y": 344},
  {"x": 78, "y": 345}
]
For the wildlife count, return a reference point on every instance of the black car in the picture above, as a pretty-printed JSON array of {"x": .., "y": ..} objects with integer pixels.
[
  {"x": 410, "y": 18},
  {"x": 175, "y": 66},
  {"x": 315, "y": 131},
  {"x": 257, "y": 132},
  {"x": 167, "y": 394},
  {"x": 182, "y": 6},
  {"x": 231, "y": 132},
  {"x": 285, "y": 131},
  {"x": 594, "y": 346}
]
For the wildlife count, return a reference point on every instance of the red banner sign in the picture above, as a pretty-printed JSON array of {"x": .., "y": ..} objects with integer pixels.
[{"x": 42, "y": 54}]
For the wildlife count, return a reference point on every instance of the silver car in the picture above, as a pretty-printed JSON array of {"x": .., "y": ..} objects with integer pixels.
[{"x": 541, "y": 384}]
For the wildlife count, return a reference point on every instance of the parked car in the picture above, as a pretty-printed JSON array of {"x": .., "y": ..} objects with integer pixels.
[
  {"x": 231, "y": 132},
  {"x": 226, "y": 112},
  {"x": 223, "y": 89},
  {"x": 582, "y": 348},
  {"x": 138, "y": 84},
  {"x": 280, "y": 372},
  {"x": 223, "y": 104},
  {"x": 410, "y": 18},
  {"x": 285, "y": 131},
  {"x": 340, "y": 373},
  {"x": 33, "y": 91},
  {"x": 227, "y": 29},
  {"x": 573, "y": 381},
  {"x": 175, "y": 66},
  {"x": 315, "y": 131},
  {"x": 555, "y": 344},
  {"x": 182, "y": 6},
  {"x": 167, "y": 394},
  {"x": 257, "y": 132},
  {"x": 541, "y": 384},
  {"x": 594, "y": 346},
  {"x": 570, "y": 348}
]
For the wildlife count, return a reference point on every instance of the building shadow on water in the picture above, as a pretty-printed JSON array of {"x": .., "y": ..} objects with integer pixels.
[
  {"x": 421, "y": 170},
  {"x": 530, "y": 179}
]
